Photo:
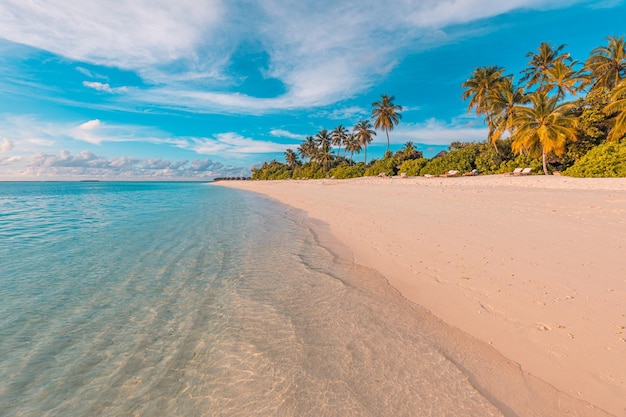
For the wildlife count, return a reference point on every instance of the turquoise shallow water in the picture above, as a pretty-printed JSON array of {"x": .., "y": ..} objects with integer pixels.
[{"x": 147, "y": 299}]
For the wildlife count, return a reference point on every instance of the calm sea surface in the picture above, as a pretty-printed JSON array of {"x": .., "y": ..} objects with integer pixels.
[{"x": 147, "y": 299}]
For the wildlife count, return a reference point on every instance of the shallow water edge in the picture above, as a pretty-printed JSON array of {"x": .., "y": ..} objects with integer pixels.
[{"x": 511, "y": 390}]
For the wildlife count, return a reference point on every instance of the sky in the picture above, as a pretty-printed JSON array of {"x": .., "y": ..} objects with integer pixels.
[{"x": 198, "y": 89}]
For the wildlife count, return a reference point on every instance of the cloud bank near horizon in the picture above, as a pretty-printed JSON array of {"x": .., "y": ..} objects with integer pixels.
[{"x": 41, "y": 166}]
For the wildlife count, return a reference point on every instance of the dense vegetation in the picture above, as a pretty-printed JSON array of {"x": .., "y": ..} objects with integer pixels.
[{"x": 562, "y": 116}]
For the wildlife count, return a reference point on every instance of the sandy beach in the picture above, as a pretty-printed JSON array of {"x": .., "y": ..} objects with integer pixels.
[{"x": 534, "y": 267}]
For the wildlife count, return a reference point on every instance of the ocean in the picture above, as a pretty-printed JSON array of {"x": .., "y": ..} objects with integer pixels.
[{"x": 189, "y": 299}]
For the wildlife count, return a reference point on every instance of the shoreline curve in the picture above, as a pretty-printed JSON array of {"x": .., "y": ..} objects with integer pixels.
[{"x": 469, "y": 251}]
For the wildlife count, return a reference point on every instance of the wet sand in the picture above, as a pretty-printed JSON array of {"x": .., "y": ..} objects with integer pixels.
[{"x": 534, "y": 267}]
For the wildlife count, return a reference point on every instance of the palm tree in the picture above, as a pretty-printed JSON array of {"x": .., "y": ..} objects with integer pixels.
[
  {"x": 617, "y": 105},
  {"x": 607, "y": 64},
  {"x": 291, "y": 158},
  {"x": 364, "y": 133},
  {"x": 409, "y": 151},
  {"x": 352, "y": 145},
  {"x": 308, "y": 148},
  {"x": 338, "y": 136},
  {"x": 322, "y": 138},
  {"x": 564, "y": 79},
  {"x": 543, "y": 127},
  {"x": 478, "y": 89},
  {"x": 503, "y": 101},
  {"x": 324, "y": 151},
  {"x": 541, "y": 62},
  {"x": 386, "y": 115}
]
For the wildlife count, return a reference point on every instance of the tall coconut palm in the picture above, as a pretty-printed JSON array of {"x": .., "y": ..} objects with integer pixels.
[
  {"x": 502, "y": 101},
  {"x": 478, "y": 89},
  {"x": 324, "y": 151},
  {"x": 617, "y": 106},
  {"x": 386, "y": 114},
  {"x": 338, "y": 136},
  {"x": 563, "y": 79},
  {"x": 364, "y": 133},
  {"x": 607, "y": 64},
  {"x": 352, "y": 145},
  {"x": 291, "y": 158},
  {"x": 541, "y": 62},
  {"x": 323, "y": 138},
  {"x": 543, "y": 127},
  {"x": 308, "y": 148}
]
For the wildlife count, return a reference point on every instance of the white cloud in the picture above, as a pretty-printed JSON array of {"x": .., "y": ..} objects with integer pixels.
[
  {"x": 346, "y": 113},
  {"x": 90, "y": 125},
  {"x": 90, "y": 73},
  {"x": 40, "y": 142},
  {"x": 6, "y": 145},
  {"x": 7, "y": 160},
  {"x": 438, "y": 132},
  {"x": 27, "y": 132},
  {"x": 38, "y": 133},
  {"x": 131, "y": 33},
  {"x": 104, "y": 87},
  {"x": 97, "y": 132},
  {"x": 280, "y": 133},
  {"x": 439, "y": 13},
  {"x": 87, "y": 164},
  {"x": 31, "y": 133},
  {"x": 322, "y": 52},
  {"x": 231, "y": 144}
]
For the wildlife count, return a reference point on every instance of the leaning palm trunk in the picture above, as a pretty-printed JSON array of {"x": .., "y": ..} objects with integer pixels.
[{"x": 490, "y": 134}]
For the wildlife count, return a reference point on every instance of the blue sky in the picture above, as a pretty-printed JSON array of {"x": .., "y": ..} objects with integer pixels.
[{"x": 193, "y": 89}]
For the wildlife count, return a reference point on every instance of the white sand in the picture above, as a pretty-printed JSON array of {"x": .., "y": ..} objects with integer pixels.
[{"x": 534, "y": 266}]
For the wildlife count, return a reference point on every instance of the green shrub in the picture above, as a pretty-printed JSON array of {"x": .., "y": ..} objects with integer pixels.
[
  {"x": 412, "y": 167},
  {"x": 272, "y": 171},
  {"x": 461, "y": 160},
  {"x": 385, "y": 166},
  {"x": 521, "y": 161},
  {"x": 488, "y": 161},
  {"x": 606, "y": 160},
  {"x": 347, "y": 171},
  {"x": 311, "y": 170}
]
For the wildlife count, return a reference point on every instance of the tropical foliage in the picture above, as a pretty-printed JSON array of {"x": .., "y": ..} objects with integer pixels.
[
  {"x": 484, "y": 83},
  {"x": 462, "y": 158},
  {"x": 387, "y": 166},
  {"x": 339, "y": 137},
  {"x": 606, "y": 160},
  {"x": 617, "y": 107},
  {"x": 413, "y": 167},
  {"x": 352, "y": 145},
  {"x": 543, "y": 128},
  {"x": 348, "y": 171},
  {"x": 562, "y": 115},
  {"x": 364, "y": 134},
  {"x": 541, "y": 64},
  {"x": 386, "y": 115},
  {"x": 607, "y": 64}
]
